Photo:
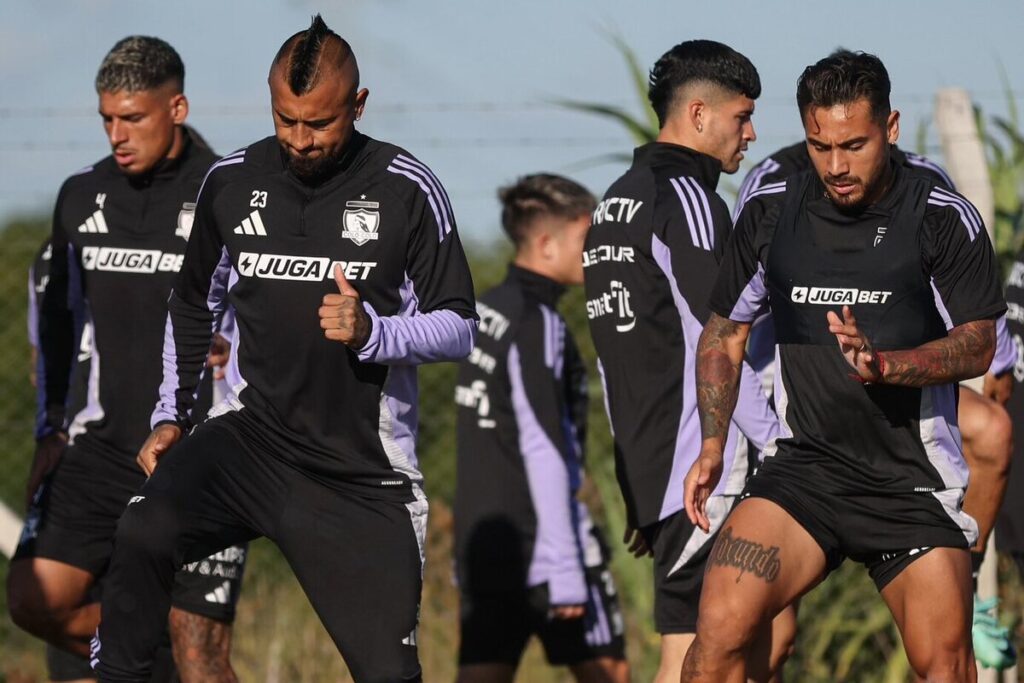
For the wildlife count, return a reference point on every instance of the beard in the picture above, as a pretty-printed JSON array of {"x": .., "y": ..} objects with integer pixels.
[{"x": 312, "y": 170}]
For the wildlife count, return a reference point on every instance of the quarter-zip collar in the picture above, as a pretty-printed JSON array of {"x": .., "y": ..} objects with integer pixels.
[
  {"x": 706, "y": 169},
  {"x": 535, "y": 285}
]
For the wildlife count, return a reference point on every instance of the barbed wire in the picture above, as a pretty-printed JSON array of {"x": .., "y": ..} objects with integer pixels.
[{"x": 497, "y": 107}]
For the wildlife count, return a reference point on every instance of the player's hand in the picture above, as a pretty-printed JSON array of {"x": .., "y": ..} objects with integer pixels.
[
  {"x": 637, "y": 543},
  {"x": 156, "y": 446},
  {"x": 854, "y": 346},
  {"x": 565, "y": 612},
  {"x": 217, "y": 358},
  {"x": 48, "y": 452},
  {"x": 342, "y": 316},
  {"x": 998, "y": 388},
  {"x": 700, "y": 481}
]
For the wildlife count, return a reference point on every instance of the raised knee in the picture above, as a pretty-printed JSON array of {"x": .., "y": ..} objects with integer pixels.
[
  {"x": 723, "y": 628},
  {"x": 148, "y": 527},
  {"x": 27, "y": 606}
]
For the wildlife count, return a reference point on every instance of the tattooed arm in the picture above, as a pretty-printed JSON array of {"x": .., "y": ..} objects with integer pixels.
[
  {"x": 965, "y": 353},
  {"x": 719, "y": 355}
]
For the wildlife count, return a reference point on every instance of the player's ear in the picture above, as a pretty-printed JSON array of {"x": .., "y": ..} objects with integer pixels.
[
  {"x": 361, "y": 98},
  {"x": 892, "y": 127},
  {"x": 179, "y": 108}
]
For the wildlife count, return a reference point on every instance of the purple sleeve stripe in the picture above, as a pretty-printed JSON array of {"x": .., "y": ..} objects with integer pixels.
[
  {"x": 968, "y": 214},
  {"x": 772, "y": 188},
  {"x": 442, "y": 229},
  {"x": 691, "y": 222},
  {"x": 554, "y": 340},
  {"x": 33, "y": 312},
  {"x": 941, "y": 306},
  {"x": 753, "y": 182},
  {"x": 709, "y": 222},
  {"x": 925, "y": 162},
  {"x": 431, "y": 179},
  {"x": 167, "y": 405},
  {"x": 556, "y": 555},
  {"x": 235, "y": 158},
  {"x": 421, "y": 338},
  {"x": 753, "y": 414},
  {"x": 752, "y": 299},
  {"x": 702, "y": 226},
  {"x": 1006, "y": 351},
  {"x": 227, "y": 323},
  {"x": 219, "y": 283}
]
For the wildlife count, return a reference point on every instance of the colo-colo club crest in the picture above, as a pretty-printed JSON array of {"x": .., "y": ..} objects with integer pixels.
[
  {"x": 361, "y": 221},
  {"x": 185, "y": 218}
]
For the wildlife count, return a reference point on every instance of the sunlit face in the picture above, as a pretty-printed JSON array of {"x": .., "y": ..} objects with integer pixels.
[
  {"x": 314, "y": 128},
  {"x": 849, "y": 148},
  {"x": 727, "y": 130},
  {"x": 142, "y": 126},
  {"x": 566, "y": 250}
]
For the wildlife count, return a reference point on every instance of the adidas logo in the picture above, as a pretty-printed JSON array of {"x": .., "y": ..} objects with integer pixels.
[
  {"x": 253, "y": 225},
  {"x": 222, "y": 594},
  {"x": 94, "y": 223}
]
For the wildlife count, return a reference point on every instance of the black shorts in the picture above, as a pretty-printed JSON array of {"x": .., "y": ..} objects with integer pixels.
[
  {"x": 496, "y": 627},
  {"x": 886, "y": 532},
  {"x": 73, "y": 517},
  {"x": 358, "y": 559},
  {"x": 680, "y": 553}
]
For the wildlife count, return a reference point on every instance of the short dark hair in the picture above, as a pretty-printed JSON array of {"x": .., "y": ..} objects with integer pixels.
[
  {"x": 842, "y": 78},
  {"x": 303, "y": 50},
  {"x": 699, "y": 60},
  {"x": 541, "y": 194},
  {"x": 140, "y": 63}
]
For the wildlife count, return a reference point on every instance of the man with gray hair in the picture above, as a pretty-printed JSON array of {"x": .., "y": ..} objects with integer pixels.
[{"x": 119, "y": 233}]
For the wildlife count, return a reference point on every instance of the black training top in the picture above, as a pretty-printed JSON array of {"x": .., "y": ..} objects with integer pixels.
[
  {"x": 522, "y": 397},
  {"x": 118, "y": 242},
  {"x": 912, "y": 266},
  {"x": 267, "y": 243},
  {"x": 651, "y": 256}
]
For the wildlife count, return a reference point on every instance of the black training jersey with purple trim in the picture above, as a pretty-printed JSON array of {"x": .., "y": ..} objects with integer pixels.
[
  {"x": 266, "y": 244},
  {"x": 912, "y": 266},
  {"x": 521, "y": 426},
  {"x": 118, "y": 242},
  {"x": 651, "y": 256}
]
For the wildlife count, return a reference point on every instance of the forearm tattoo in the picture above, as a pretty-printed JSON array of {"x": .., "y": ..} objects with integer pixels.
[
  {"x": 202, "y": 648},
  {"x": 747, "y": 556},
  {"x": 717, "y": 377},
  {"x": 964, "y": 354}
]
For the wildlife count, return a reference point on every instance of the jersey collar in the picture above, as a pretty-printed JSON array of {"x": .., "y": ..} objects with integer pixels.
[
  {"x": 680, "y": 159},
  {"x": 542, "y": 288}
]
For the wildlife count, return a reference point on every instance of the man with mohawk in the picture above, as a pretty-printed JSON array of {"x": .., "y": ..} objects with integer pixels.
[{"x": 340, "y": 257}]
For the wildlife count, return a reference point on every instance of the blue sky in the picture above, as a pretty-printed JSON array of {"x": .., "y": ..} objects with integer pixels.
[{"x": 468, "y": 86}]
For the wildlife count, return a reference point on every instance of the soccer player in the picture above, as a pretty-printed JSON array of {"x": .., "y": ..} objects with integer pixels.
[
  {"x": 872, "y": 337},
  {"x": 985, "y": 427},
  {"x": 528, "y": 558},
  {"x": 119, "y": 233},
  {"x": 340, "y": 257},
  {"x": 651, "y": 257}
]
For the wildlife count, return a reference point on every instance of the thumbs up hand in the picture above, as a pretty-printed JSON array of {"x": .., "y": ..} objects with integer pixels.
[{"x": 342, "y": 316}]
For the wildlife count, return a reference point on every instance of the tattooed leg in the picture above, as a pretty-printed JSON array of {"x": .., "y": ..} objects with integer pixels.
[
  {"x": 762, "y": 561},
  {"x": 202, "y": 648}
]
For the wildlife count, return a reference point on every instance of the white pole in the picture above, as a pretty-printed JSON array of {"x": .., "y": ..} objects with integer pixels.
[{"x": 965, "y": 160}]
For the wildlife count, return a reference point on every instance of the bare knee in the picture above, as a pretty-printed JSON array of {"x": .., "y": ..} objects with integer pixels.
[
  {"x": 28, "y": 604},
  {"x": 952, "y": 667},
  {"x": 724, "y": 629},
  {"x": 987, "y": 431}
]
